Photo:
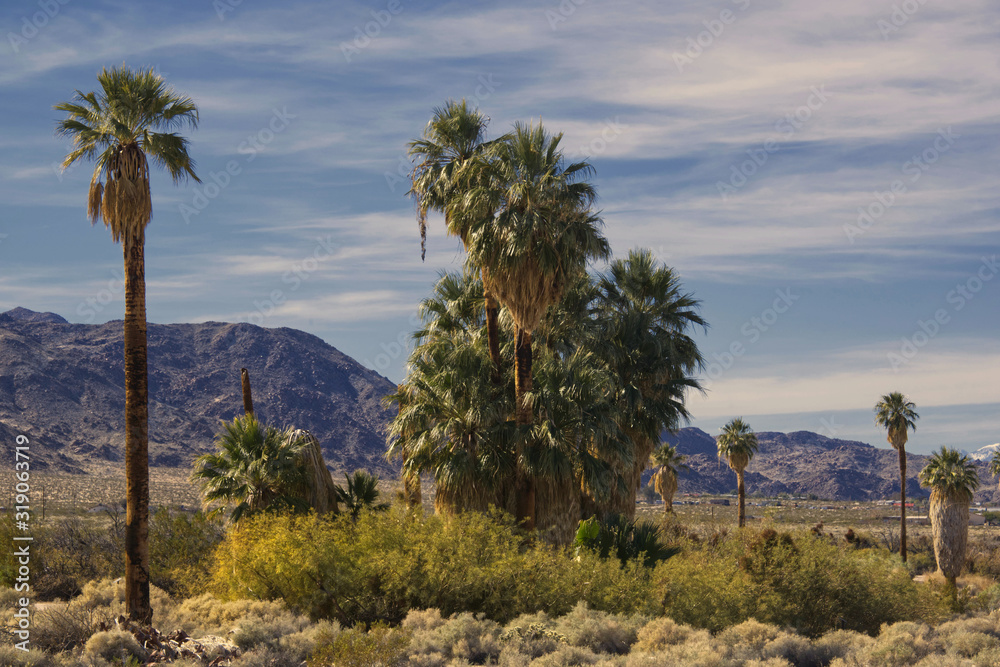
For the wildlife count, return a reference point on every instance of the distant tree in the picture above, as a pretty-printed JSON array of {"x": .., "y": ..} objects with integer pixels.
[
  {"x": 737, "y": 445},
  {"x": 995, "y": 464},
  {"x": 953, "y": 479},
  {"x": 896, "y": 414},
  {"x": 361, "y": 494},
  {"x": 669, "y": 464}
]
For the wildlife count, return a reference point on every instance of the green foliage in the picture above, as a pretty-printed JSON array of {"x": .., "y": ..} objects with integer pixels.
[
  {"x": 180, "y": 550},
  {"x": 361, "y": 494},
  {"x": 952, "y": 474},
  {"x": 380, "y": 645},
  {"x": 388, "y": 563},
  {"x": 802, "y": 582},
  {"x": 624, "y": 539},
  {"x": 257, "y": 468}
]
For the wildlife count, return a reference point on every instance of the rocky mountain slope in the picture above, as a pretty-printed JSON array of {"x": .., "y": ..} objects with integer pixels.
[
  {"x": 808, "y": 463},
  {"x": 62, "y": 385}
]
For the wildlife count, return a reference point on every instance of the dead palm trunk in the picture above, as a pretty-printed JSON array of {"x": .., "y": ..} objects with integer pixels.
[
  {"x": 136, "y": 432},
  {"x": 740, "y": 491},
  {"x": 247, "y": 398},
  {"x": 522, "y": 379},
  {"x": 902, "y": 502}
]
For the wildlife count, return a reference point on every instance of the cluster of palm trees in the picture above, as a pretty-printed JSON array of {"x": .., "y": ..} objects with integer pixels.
[{"x": 535, "y": 386}]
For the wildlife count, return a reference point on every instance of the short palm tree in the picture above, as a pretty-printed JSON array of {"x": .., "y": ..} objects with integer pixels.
[
  {"x": 257, "y": 468},
  {"x": 895, "y": 413},
  {"x": 532, "y": 232},
  {"x": 995, "y": 464},
  {"x": 952, "y": 478},
  {"x": 737, "y": 445},
  {"x": 129, "y": 121},
  {"x": 361, "y": 493},
  {"x": 664, "y": 480}
]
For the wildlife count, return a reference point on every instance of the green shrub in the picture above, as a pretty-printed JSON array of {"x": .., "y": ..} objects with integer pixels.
[
  {"x": 388, "y": 563},
  {"x": 381, "y": 645},
  {"x": 804, "y": 582},
  {"x": 180, "y": 550}
]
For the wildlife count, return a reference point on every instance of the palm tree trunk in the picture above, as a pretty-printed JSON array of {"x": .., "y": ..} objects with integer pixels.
[
  {"x": 522, "y": 378},
  {"x": 740, "y": 490},
  {"x": 247, "y": 398},
  {"x": 902, "y": 502},
  {"x": 493, "y": 331},
  {"x": 136, "y": 434}
]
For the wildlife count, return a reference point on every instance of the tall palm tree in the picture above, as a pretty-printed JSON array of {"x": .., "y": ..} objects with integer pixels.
[
  {"x": 995, "y": 464},
  {"x": 895, "y": 413},
  {"x": 737, "y": 445},
  {"x": 532, "y": 231},
  {"x": 121, "y": 126},
  {"x": 953, "y": 479},
  {"x": 664, "y": 480},
  {"x": 448, "y": 164},
  {"x": 646, "y": 319}
]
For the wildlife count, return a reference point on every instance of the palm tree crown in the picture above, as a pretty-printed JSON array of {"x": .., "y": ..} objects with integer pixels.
[
  {"x": 257, "y": 467},
  {"x": 118, "y": 127},
  {"x": 995, "y": 464},
  {"x": 896, "y": 414},
  {"x": 952, "y": 474},
  {"x": 737, "y": 444}
]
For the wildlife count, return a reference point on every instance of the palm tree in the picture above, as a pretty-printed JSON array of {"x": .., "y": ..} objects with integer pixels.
[
  {"x": 953, "y": 479},
  {"x": 361, "y": 494},
  {"x": 645, "y": 320},
  {"x": 994, "y": 468},
  {"x": 532, "y": 231},
  {"x": 669, "y": 464},
  {"x": 261, "y": 468},
  {"x": 448, "y": 165},
  {"x": 120, "y": 127},
  {"x": 737, "y": 445},
  {"x": 896, "y": 414}
]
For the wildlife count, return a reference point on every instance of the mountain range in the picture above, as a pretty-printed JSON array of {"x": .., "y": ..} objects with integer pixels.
[{"x": 62, "y": 385}]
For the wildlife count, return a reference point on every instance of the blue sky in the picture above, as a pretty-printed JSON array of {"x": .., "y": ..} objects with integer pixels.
[{"x": 822, "y": 175}]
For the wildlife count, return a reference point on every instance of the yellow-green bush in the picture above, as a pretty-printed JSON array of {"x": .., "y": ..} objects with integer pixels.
[
  {"x": 804, "y": 582},
  {"x": 383, "y": 565}
]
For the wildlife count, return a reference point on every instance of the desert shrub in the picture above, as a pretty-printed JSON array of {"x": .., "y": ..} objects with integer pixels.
[
  {"x": 567, "y": 655},
  {"x": 804, "y": 582},
  {"x": 180, "y": 550},
  {"x": 114, "y": 645},
  {"x": 423, "y": 620},
  {"x": 207, "y": 614},
  {"x": 464, "y": 637},
  {"x": 662, "y": 632},
  {"x": 899, "y": 644},
  {"x": 13, "y": 657},
  {"x": 266, "y": 656},
  {"x": 841, "y": 644},
  {"x": 700, "y": 649},
  {"x": 988, "y": 658},
  {"x": 255, "y": 631},
  {"x": 599, "y": 631},
  {"x": 381, "y": 645},
  {"x": 300, "y": 645},
  {"x": 387, "y": 563},
  {"x": 529, "y": 636}
]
